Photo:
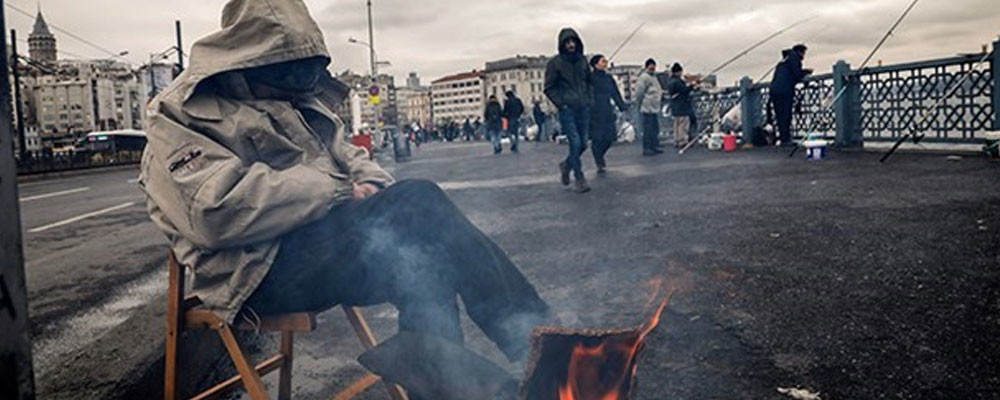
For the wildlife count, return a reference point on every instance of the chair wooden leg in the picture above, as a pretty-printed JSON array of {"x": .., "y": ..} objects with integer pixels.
[
  {"x": 368, "y": 342},
  {"x": 285, "y": 374},
  {"x": 175, "y": 324},
  {"x": 251, "y": 380}
]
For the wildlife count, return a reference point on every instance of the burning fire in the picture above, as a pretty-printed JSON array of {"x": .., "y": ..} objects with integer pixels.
[{"x": 604, "y": 371}]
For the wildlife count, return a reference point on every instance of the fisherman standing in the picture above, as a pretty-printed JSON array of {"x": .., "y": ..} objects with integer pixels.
[
  {"x": 648, "y": 97},
  {"x": 680, "y": 105},
  {"x": 569, "y": 85},
  {"x": 787, "y": 75}
]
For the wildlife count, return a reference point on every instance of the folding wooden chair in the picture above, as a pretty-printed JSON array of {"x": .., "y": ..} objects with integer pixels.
[{"x": 185, "y": 314}]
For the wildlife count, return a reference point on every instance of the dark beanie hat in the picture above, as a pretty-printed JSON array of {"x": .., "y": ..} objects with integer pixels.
[
  {"x": 596, "y": 59},
  {"x": 676, "y": 68},
  {"x": 650, "y": 62}
]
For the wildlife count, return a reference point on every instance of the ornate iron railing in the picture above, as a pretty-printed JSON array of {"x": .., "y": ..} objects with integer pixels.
[
  {"x": 893, "y": 99},
  {"x": 880, "y": 103}
]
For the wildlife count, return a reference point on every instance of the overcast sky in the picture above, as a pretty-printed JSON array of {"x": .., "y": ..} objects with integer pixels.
[{"x": 439, "y": 37}]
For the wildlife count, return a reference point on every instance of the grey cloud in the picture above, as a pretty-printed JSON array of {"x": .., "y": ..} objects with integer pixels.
[{"x": 438, "y": 37}]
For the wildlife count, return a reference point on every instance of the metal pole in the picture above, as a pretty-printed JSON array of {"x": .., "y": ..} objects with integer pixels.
[
  {"x": 371, "y": 41},
  {"x": 18, "y": 107},
  {"x": 16, "y": 377},
  {"x": 180, "y": 46}
]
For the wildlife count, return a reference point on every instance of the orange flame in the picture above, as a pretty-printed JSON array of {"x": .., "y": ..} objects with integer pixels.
[{"x": 588, "y": 377}]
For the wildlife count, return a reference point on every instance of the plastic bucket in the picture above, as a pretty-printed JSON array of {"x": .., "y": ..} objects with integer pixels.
[
  {"x": 815, "y": 150},
  {"x": 992, "y": 146},
  {"x": 715, "y": 141},
  {"x": 729, "y": 143}
]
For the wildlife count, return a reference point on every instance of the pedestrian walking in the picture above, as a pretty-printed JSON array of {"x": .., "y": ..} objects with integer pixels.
[
  {"x": 513, "y": 109},
  {"x": 467, "y": 131},
  {"x": 494, "y": 122},
  {"x": 539, "y": 116},
  {"x": 680, "y": 105},
  {"x": 602, "y": 117},
  {"x": 787, "y": 75},
  {"x": 569, "y": 85},
  {"x": 649, "y": 96}
]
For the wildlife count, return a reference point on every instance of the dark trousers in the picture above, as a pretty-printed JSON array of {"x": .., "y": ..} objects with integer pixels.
[
  {"x": 541, "y": 132},
  {"x": 514, "y": 131},
  {"x": 650, "y": 131},
  {"x": 783, "y": 115},
  {"x": 409, "y": 246},
  {"x": 602, "y": 131},
  {"x": 575, "y": 123}
]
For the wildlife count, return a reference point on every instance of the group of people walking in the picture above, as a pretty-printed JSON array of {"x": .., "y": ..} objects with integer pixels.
[
  {"x": 586, "y": 95},
  {"x": 511, "y": 111}
]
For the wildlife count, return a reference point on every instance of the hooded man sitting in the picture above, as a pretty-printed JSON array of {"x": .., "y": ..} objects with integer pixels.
[{"x": 248, "y": 174}]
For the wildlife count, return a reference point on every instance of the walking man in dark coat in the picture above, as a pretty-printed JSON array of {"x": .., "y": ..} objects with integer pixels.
[
  {"x": 787, "y": 75},
  {"x": 467, "y": 130},
  {"x": 569, "y": 85},
  {"x": 539, "y": 116},
  {"x": 513, "y": 109},
  {"x": 494, "y": 123},
  {"x": 602, "y": 117}
]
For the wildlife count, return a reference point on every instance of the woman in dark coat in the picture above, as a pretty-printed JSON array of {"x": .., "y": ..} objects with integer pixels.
[{"x": 602, "y": 117}]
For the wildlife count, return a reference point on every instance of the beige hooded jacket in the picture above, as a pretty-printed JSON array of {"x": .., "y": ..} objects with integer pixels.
[{"x": 225, "y": 174}]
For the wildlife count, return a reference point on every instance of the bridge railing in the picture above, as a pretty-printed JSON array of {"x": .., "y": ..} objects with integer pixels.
[{"x": 879, "y": 103}]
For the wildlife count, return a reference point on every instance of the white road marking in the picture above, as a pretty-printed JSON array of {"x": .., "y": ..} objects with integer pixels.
[
  {"x": 62, "y": 193},
  {"x": 80, "y": 217},
  {"x": 133, "y": 180}
]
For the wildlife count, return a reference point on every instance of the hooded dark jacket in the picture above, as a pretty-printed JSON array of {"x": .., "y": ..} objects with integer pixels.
[
  {"x": 513, "y": 108},
  {"x": 788, "y": 74},
  {"x": 568, "y": 81},
  {"x": 538, "y": 114}
]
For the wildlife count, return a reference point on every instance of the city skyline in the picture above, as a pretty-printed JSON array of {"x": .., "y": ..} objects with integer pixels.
[{"x": 438, "y": 38}]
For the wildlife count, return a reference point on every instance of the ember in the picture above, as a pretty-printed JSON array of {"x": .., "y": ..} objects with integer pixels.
[{"x": 586, "y": 364}]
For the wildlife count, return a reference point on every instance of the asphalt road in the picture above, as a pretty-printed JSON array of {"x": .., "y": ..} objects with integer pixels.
[
  {"x": 844, "y": 277},
  {"x": 87, "y": 240}
]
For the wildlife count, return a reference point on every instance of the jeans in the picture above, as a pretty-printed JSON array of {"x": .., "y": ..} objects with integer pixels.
[
  {"x": 514, "y": 131},
  {"x": 575, "y": 123},
  {"x": 541, "y": 136},
  {"x": 409, "y": 246},
  {"x": 650, "y": 131},
  {"x": 494, "y": 134},
  {"x": 783, "y": 115}
]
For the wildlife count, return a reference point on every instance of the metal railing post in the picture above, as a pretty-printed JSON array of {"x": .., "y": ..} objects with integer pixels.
[
  {"x": 995, "y": 73},
  {"x": 847, "y": 110},
  {"x": 749, "y": 108}
]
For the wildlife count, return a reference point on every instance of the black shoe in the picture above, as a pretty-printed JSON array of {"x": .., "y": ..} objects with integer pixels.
[
  {"x": 564, "y": 173},
  {"x": 658, "y": 150},
  {"x": 513, "y": 150},
  {"x": 602, "y": 170},
  {"x": 497, "y": 151},
  {"x": 649, "y": 153},
  {"x": 581, "y": 186}
]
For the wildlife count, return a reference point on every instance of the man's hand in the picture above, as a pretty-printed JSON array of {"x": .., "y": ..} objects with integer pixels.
[{"x": 364, "y": 190}]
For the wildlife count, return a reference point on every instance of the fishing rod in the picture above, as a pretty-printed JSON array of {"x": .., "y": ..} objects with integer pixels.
[
  {"x": 868, "y": 59},
  {"x": 878, "y": 46},
  {"x": 758, "y": 44},
  {"x": 628, "y": 39},
  {"x": 927, "y": 113}
]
